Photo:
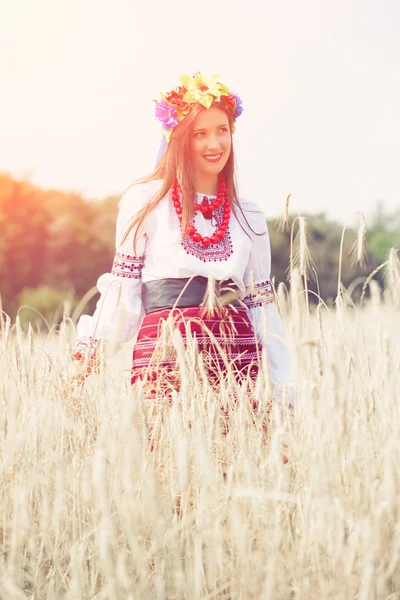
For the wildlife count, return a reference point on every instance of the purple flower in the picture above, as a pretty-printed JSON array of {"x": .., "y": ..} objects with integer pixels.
[
  {"x": 239, "y": 107},
  {"x": 166, "y": 114}
]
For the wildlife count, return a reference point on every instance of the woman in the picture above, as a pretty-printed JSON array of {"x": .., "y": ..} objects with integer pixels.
[{"x": 182, "y": 231}]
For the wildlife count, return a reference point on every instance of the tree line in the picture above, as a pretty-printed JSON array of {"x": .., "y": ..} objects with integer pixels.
[{"x": 55, "y": 244}]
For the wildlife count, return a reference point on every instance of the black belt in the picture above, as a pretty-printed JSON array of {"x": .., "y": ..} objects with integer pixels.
[{"x": 186, "y": 291}]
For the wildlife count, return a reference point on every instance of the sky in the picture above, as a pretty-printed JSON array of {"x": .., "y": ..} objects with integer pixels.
[{"x": 319, "y": 81}]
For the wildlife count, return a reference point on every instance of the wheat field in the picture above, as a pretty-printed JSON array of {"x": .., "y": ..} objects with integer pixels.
[{"x": 308, "y": 509}]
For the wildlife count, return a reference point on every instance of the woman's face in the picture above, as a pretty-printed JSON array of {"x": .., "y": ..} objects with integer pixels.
[{"x": 210, "y": 141}]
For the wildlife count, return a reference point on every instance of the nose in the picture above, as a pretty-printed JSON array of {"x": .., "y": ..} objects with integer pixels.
[{"x": 213, "y": 144}]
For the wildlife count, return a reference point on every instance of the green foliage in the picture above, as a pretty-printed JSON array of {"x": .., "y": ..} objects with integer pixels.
[
  {"x": 24, "y": 225},
  {"x": 54, "y": 244},
  {"x": 44, "y": 305},
  {"x": 324, "y": 245},
  {"x": 384, "y": 232},
  {"x": 54, "y": 239}
]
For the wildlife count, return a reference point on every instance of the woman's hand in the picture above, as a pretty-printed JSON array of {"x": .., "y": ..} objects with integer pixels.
[
  {"x": 85, "y": 359},
  {"x": 79, "y": 373}
]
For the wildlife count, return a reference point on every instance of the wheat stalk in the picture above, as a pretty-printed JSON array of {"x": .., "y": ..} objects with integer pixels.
[
  {"x": 90, "y": 511},
  {"x": 284, "y": 222},
  {"x": 392, "y": 276},
  {"x": 370, "y": 277},
  {"x": 358, "y": 251}
]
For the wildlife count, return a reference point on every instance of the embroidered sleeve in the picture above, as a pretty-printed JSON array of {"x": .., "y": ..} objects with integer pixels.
[
  {"x": 85, "y": 351},
  {"x": 258, "y": 294},
  {"x": 263, "y": 312},
  {"x": 125, "y": 265},
  {"x": 119, "y": 310},
  {"x": 85, "y": 346}
]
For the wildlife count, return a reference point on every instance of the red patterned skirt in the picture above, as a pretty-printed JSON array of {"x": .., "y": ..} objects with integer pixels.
[{"x": 224, "y": 339}]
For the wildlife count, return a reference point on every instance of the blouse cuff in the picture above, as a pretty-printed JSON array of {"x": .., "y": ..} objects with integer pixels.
[
  {"x": 85, "y": 346},
  {"x": 85, "y": 350},
  {"x": 118, "y": 313}
]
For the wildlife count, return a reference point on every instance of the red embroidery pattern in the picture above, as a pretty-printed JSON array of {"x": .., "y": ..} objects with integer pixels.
[
  {"x": 87, "y": 346},
  {"x": 216, "y": 252},
  {"x": 82, "y": 345},
  {"x": 144, "y": 351},
  {"x": 259, "y": 294},
  {"x": 125, "y": 265}
]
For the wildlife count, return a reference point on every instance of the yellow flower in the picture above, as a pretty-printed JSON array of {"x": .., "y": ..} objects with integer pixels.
[{"x": 203, "y": 88}]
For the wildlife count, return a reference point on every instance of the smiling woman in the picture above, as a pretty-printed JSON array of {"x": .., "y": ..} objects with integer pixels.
[
  {"x": 182, "y": 231},
  {"x": 211, "y": 147}
]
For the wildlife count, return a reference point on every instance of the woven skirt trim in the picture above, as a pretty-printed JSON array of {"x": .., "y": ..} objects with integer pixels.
[{"x": 229, "y": 332}]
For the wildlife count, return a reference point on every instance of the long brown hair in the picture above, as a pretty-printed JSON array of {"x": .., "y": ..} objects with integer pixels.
[{"x": 176, "y": 164}]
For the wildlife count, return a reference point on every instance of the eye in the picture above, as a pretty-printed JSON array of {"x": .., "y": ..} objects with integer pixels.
[
  {"x": 224, "y": 129},
  {"x": 199, "y": 133}
]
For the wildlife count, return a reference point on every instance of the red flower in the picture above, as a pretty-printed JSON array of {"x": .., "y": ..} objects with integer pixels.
[
  {"x": 175, "y": 97},
  {"x": 230, "y": 101}
]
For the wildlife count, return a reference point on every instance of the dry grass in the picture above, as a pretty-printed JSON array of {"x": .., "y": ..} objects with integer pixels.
[{"x": 85, "y": 512}]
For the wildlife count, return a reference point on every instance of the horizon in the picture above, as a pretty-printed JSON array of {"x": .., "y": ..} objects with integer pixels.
[{"x": 320, "y": 87}]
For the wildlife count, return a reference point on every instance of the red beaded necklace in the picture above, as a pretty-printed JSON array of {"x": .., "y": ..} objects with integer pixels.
[{"x": 222, "y": 197}]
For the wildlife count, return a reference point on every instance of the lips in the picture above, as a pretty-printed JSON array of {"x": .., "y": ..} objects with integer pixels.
[{"x": 213, "y": 158}]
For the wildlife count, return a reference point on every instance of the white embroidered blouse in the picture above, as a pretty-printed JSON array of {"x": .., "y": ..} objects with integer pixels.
[{"x": 162, "y": 253}]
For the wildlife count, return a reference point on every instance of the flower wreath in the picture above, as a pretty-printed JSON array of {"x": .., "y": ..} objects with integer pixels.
[{"x": 175, "y": 105}]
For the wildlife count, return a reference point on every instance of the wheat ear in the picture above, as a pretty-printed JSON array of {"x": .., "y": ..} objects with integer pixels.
[{"x": 358, "y": 251}]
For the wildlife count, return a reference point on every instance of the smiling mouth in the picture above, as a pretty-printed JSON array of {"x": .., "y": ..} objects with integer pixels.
[{"x": 213, "y": 157}]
